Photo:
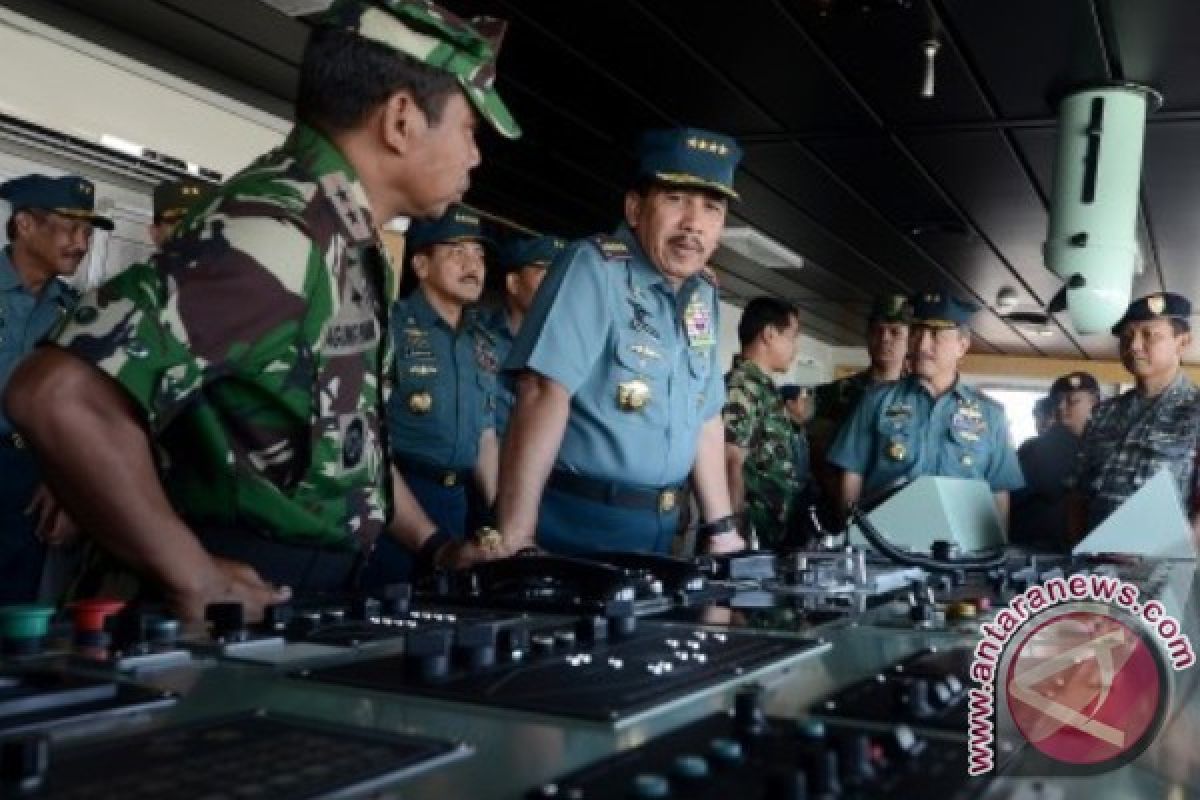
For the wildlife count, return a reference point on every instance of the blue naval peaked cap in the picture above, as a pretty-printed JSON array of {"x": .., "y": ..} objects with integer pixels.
[
  {"x": 939, "y": 308},
  {"x": 529, "y": 251},
  {"x": 1154, "y": 306},
  {"x": 691, "y": 158},
  {"x": 458, "y": 224},
  {"x": 68, "y": 196}
]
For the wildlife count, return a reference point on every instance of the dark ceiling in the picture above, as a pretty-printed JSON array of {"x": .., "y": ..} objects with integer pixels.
[{"x": 878, "y": 188}]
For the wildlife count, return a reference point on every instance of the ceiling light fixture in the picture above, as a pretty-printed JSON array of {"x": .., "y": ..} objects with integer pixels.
[
  {"x": 760, "y": 248},
  {"x": 929, "y": 85}
]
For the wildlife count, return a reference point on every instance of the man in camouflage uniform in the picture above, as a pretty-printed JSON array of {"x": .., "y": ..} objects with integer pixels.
[
  {"x": 172, "y": 200},
  {"x": 887, "y": 347},
  {"x": 249, "y": 364},
  {"x": 1153, "y": 426},
  {"x": 759, "y": 439}
]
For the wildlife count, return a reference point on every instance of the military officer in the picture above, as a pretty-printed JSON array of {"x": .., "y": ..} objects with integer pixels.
[
  {"x": 441, "y": 413},
  {"x": 523, "y": 262},
  {"x": 760, "y": 444},
  {"x": 797, "y": 401},
  {"x": 619, "y": 392},
  {"x": 172, "y": 199},
  {"x": 49, "y": 233},
  {"x": 1049, "y": 462},
  {"x": 253, "y": 352},
  {"x": 928, "y": 422},
  {"x": 887, "y": 348},
  {"x": 1153, "y": 426}
]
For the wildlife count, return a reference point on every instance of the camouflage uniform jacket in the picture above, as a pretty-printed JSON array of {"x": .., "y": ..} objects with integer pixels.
[
  {"x": 255, "y": 345},
  {"x": 1130, "y": 438},
  {"x": 757, "y": 421}
]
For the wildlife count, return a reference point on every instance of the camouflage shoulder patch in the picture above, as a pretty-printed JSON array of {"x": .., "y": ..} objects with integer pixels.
[{"x": 611, "y": 248}]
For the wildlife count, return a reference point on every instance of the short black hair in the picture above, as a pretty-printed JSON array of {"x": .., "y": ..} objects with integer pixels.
[
  {"x": 762, "y": 312},
  {"x": 10, "y": 227},
  {"x": 344, "y": 76}
]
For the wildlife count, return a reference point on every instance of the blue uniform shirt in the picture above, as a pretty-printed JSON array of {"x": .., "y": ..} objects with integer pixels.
[
  {"x": 25, "y": 320},
  {"x": 899, "y": 431},
  {"x": 606, "y": 324},
  {"x": 444, "y": 396},
  {"x": 502, "y": 342}
]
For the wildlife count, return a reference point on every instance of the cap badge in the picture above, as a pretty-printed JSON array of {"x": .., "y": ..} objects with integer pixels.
[{"x": 1156, "y": 303}]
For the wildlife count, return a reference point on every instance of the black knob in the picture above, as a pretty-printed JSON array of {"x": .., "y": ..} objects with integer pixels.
[
  {"x": 748, "y": 716},
  {"x": 128, "y": 632},
  {"x": 396, "y": 599},
  {"x": 512, "y": 642},
  {"x": 788, "y": 784},
  {"x": 475, "y": 645},
  {"x": 901, "y": 743},
  {"x": 162, "y": 631},
  {"x": 622, "y": 621},
  {"x": 276, "y": 617},
  {"x": 824, "y": 779},
  {"x": 945, "y": 551},
  {"x": 305, "y": 623},
  {"x": 856, "y": 756},
  {"x": 591, "y": 629},
  {"x": 226, "y": 622},
  {"x": 427, "y": 654},
  {"x": 24, "y": 762},
  {"x": 365, "y": 609},
  {"x": 913, "y": 697}
]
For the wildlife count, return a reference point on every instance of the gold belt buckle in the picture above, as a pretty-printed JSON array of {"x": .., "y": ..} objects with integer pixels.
[
  {"x": 666, "y": 501},
  {"x": 449, "y": 479}
]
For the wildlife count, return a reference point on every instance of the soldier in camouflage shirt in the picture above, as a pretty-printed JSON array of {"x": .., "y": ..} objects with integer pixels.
[
  {"x": 249, "y": 364},
  {"x": 1153, "y": 426},
  {"x": 763, "y": 478}
]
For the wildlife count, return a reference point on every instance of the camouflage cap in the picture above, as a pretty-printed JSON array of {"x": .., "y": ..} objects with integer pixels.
[
  {"x": 458, "y": 224},
  {"x": 525, "y": 252},
  {"x": 1153, "y": 306},
  {"x": 68, "y": 196},
  {"x": 939, "y": 308},
  {"x": 434, "y": 36},
  {"x": 173, "y": 198},
  {"x": 891, "y": 308}
]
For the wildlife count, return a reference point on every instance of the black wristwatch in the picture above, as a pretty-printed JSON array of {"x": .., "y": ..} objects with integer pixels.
[{"x": 725, "y": 524}]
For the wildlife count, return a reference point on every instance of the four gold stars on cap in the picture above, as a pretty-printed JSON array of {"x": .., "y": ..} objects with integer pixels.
[{"x": 705, "y": 145}]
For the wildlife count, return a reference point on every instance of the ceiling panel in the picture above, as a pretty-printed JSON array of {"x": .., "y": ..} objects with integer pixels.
[
  {"x": 1172, "y": 179},
  {"x": 1062, "y": 49},
  {"x": 775, "y": 66},
  {"x": 1156, "y": 44},
  {"x": 881, "y": 55}
]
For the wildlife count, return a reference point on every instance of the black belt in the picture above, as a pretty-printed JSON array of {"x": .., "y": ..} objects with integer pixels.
[
  {"x": 303, "y": 568},
  {"x": 664, "y": 500},
  {"x": 14, "y": 441},
  {"x": 446, "y": 477}
]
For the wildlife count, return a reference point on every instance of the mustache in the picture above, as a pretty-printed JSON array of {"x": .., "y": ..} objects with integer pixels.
[{"x": 687, "y": 240}]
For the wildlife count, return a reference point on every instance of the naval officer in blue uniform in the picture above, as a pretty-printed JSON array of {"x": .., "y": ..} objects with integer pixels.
[
  {"x": 441, "y": 412},
  {"x": 49, "y": 234},
  {"x": 523, "y": 263},
  {"x": 619, "y": 392},
  {"x": 928, "y": 422}
]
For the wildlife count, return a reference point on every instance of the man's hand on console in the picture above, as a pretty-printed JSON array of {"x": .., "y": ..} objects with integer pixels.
[{"x": 225, "y": 581}]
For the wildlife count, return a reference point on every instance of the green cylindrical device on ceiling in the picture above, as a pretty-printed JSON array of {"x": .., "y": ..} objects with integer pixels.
[{"x": 1092, "y": 241}]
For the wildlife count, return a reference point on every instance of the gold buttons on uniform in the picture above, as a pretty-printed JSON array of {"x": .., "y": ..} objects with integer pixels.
[
  {"x": 897, "y": 451},
  {"x": 420, "y": 402},
  {"x": 633, "y": 395},
  {"x": 666, "y": 501}
]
